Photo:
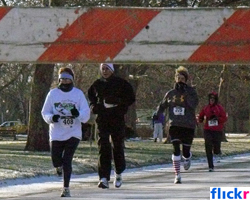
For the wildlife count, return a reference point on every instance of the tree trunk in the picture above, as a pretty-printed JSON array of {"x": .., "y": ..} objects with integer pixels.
[
  {"x": 131, "y": 115},
  {"x": 234, "y": 124},
  {"x": 38, "y": 137},
  {"x": 223, "y": 92}
]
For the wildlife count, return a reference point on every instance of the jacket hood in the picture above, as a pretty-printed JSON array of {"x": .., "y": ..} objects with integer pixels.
[{"x": 215, "y": 97}]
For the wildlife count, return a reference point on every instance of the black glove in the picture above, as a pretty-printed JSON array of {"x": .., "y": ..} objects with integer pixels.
[
  {"x": 112, "y": 100},
  {"x": 74, "y": 112},
  {"x": 55, "y": 118},
  {"x": 181, "y": 86},
  {"x": 201, "y": 119},
  {"x": 213, "y": 117}
]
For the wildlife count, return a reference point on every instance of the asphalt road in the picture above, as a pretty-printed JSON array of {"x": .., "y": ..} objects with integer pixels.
[{"x": 155, "y": 182}]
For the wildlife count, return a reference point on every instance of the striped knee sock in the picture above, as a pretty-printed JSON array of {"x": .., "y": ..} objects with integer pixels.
[{"x": 176, "y": 163}]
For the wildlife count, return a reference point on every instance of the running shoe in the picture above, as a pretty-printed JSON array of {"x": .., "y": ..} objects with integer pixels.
[
  {"x": 177, "y": 179},
  {"x": 118, "y": 180},
  {"x": 187, "y": 164},
  {"x": 65, "y": 193},
  {"x": 211, "y": 170},
  {"x": 103, "y": 183}
]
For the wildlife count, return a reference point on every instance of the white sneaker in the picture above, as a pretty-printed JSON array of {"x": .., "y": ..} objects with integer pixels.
[
  {"x": 65, "y": 193},
  {"x": 103, "y": 183},
  {"x": 187, "y": 162},
  {"x": 177, "y": 179},
  {"x": 118, "y": 180}
]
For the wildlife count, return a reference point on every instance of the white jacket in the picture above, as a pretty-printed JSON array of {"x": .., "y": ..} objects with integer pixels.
[{"x": 60, "y": 103}]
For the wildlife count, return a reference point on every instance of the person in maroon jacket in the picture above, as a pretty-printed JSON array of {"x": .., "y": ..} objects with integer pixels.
[{"x": 214, "y": 117}]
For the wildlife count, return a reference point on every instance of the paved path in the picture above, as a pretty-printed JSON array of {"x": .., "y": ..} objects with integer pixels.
[{"x": 155, "y": 182}]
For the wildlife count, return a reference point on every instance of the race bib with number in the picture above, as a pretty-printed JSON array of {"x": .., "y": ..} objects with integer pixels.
[
  {"x": 67, "y": 122},
  {"x": 179, "y": 110},
  {"x": 212, "y": 122}
]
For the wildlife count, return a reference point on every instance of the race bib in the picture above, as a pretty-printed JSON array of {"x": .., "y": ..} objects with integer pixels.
[
  {"x": 67, "y": 121},
  {"x": 212, "y": 122},
  {"x": 179, "y": 110}
]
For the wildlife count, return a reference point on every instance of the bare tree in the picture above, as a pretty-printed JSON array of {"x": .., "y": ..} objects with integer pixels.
[
  {"x": 15, "y": 79},
  {"x": 38, "y": 138},
  {"x": 223, "y": 91}
]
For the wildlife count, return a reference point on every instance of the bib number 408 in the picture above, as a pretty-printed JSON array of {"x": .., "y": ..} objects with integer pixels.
[{"x": 68, "y": 121}]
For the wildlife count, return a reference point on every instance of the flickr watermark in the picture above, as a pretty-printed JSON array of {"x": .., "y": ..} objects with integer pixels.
[{"x": 217, "y": 193}]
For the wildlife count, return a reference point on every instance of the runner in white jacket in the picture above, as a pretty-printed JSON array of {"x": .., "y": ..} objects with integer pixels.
[{"x": 64, "y": 109}]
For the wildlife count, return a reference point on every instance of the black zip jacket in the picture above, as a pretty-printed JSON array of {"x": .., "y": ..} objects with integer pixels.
[{"x": 115, "y": 91}]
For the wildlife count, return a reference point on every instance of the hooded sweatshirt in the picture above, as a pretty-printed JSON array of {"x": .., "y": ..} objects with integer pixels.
[
  {"x": 181, "y": 103},
  {"x": 213, "y": 115}
]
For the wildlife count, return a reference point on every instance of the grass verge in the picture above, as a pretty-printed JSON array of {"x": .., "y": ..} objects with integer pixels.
[{"x": 17, "y": 163}]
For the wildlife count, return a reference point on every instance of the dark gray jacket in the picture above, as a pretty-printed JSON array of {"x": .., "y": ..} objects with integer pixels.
[{"x": 181, "y": 104}]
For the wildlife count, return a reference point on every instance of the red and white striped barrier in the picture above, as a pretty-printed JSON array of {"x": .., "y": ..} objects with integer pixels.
[{"x": 90, "y": 35}]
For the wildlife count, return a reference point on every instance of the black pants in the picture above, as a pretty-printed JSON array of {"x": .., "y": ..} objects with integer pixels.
[
  {"x": 62, "y": 153},
  {"x": 108, "y": 151},
  {"x": 212, "y": 145}
]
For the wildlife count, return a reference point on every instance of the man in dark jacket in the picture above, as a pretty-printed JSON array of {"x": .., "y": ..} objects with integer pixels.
[
  {"x": 110, "y": 97},
  {"x": 181, "y": 103},
  {"x": 214, "y": 117}
]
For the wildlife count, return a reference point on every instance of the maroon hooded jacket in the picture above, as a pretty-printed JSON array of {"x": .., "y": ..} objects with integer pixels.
[{"x": 213, "y": 115}]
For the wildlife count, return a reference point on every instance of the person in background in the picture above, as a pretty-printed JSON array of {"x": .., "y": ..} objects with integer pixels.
[
  {"x": 110, "y": 96},
  {"x": 158, "y": 123},
  {"x": 214, "y": 117},
  {"x": 64, "y": 109},
  {"x": 181, "y": 102}
]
